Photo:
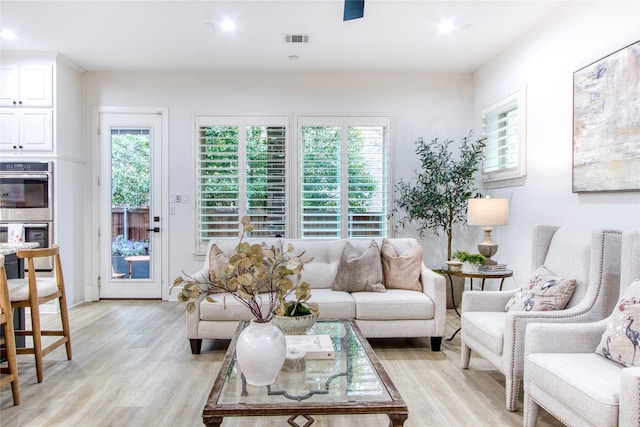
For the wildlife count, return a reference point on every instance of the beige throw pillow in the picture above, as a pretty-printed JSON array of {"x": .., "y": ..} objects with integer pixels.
[
  {"x": 359, "y": 272},
  {"x": 401, "y": 271},
  {"x": 218, "y": 260},
  {"x": 621, "y": 339},
  {"x": 545, "y": 292}
]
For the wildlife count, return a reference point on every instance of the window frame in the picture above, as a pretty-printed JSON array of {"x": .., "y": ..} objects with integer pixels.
[
  {"x": 344, "y": 121},
  {"x": 293, "y": 164},
  {"x": 507, "y": 177},
  {"x": 243, "y": 122}
]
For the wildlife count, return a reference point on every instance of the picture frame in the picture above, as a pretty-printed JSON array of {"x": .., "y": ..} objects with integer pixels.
[{"x": 606, "y": 123}]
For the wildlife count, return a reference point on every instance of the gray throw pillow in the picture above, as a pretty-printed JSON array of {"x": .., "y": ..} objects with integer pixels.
[{"x": 360, "y": 272}]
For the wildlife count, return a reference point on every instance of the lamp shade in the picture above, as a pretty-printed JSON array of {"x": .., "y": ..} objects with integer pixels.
[{"x": 488, "y": 211}]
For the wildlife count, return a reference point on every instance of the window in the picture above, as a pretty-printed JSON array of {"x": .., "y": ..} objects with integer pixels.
[
  {"x": 241, "y": 171},
  {"x": 332, "y": 181},
  {"x": 505, "y": 150},
  {"x": 344, "y": 176}
]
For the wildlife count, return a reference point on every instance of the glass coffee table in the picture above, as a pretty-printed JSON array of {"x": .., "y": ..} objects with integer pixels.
[{"x": 352, "y": 382}]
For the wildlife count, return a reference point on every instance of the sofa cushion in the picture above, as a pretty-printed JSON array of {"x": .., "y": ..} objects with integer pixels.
[
  {"x": 226, "y": 307},
  {"x": 545, "y": 292},
  {"x": 394, "y": 304},
  {"x": 621, "y": 339},
  {"x": 562, "y": 376},
  {"x": 334, "y": 304},
  {"x": 320, "y": 272},
  {"x": 486, "y": 327},
  {"x": 401, "y": 271},
  {"x": 359, "y": 272}
]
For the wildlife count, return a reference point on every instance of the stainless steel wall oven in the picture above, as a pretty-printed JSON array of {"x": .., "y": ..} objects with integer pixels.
[{"x": 26, "y": 198}]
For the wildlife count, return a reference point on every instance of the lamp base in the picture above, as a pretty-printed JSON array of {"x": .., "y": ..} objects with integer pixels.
[{"x": 488, "y": 250}]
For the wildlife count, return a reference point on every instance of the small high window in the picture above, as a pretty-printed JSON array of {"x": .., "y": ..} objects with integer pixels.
[{"x": 505, "y": 152}]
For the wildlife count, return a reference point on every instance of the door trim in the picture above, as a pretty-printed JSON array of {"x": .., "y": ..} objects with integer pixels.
[{"x": 92, "y": 289}]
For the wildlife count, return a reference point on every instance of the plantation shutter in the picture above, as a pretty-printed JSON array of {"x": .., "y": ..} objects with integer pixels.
[
  {"x": 218, "y": 179},
  {"x": 368, "y": 180},
  {"x": 345, "y": 176},
  {"x": 266, "y": 179},
  {"x": 242, "y": 170},
  {"x": 501, "y": 128},
  {"x": 321, "y": 190}
]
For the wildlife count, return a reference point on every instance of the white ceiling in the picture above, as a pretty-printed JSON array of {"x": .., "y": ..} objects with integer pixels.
[{"x": 185, "y": 35}]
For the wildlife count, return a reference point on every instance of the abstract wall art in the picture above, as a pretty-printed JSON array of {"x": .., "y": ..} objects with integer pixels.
[{"x": 606, "y": 123}]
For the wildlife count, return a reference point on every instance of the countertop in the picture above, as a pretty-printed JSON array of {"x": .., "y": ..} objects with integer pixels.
[{"x": 12, "y": 248}]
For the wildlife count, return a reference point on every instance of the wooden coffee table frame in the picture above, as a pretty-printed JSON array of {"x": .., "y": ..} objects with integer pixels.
[{"x": 213, "y": 412}]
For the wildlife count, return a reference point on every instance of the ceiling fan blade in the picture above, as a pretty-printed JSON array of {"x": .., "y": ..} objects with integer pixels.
[{"x": 353, "y": 9}]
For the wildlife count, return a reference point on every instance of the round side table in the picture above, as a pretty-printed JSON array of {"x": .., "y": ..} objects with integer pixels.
[{"x": 500, "y": 274}]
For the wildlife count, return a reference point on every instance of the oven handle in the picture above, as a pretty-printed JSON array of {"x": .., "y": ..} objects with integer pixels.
[
  {"x": 23, "y": 176},
  {"x": 26, "y": 225}
]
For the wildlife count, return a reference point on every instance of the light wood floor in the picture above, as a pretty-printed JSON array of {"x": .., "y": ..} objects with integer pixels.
[{"x": 132, "y": 367}]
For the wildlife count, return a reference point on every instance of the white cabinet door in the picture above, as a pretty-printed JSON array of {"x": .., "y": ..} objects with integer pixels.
[
  {"x": 9, "y": 129},
  {"x": 36, "y": 129},
  {"x": 26, "y": 129},
  {"x": 36, "y": 86},
  {"x": 9, "y": 85},
  {"x": 26, "y": 85}
]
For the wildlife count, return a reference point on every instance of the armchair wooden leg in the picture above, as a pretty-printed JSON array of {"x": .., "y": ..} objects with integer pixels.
[{"x": 465, "y": 356}]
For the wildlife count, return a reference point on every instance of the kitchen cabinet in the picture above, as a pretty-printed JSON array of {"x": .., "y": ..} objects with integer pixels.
[
  {"x": 26, "y": 129},
  {"x": 26, "y": 107},
  {"x": 28, "y": 85}
]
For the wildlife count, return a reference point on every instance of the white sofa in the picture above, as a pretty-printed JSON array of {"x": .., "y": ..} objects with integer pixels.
[{"x": 389, "y": 314}]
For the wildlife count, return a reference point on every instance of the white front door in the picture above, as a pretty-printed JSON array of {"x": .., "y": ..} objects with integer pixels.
[{"x": 131, "y": 222}]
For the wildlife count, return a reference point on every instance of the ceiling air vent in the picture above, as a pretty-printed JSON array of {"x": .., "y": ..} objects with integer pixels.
[{"x": 296, "y": 38}]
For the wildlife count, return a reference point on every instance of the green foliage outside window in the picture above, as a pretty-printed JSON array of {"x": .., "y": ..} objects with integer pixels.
[{"x": 130, "y": 170}]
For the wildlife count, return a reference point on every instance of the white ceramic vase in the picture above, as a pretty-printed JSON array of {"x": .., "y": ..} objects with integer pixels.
[{"x": 261, "y": 350}]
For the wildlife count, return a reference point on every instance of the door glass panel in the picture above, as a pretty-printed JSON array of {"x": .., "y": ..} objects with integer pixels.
[{"x": 130, "y": 196}]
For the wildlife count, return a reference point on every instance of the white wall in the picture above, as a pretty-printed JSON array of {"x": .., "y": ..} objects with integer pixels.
[
  {"x": 422, "y": 105},
  {"x": 545, "y": 61}
]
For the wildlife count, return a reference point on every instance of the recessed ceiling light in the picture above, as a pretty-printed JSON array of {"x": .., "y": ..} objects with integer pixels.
[
  {"x": 8, "y": 34},
  {"x": 228, "y": 25},
  {"x": 446, "y": 26}
]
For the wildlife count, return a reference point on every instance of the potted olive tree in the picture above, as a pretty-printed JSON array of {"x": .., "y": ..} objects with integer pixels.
[{"x": 437, "y": 198}]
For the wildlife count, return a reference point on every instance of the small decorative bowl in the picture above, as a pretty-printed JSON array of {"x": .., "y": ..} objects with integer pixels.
[
  {"x": 296, "y": 325},
  {"x": 454, "y": 265}
]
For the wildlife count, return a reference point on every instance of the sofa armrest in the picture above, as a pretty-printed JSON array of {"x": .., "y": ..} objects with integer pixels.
[
  {"x": 563, "y": 337},
  {"x": 486, "y": 300},
  {"x": 434, "y": 286},
  {"x": 629, "y": 397}
]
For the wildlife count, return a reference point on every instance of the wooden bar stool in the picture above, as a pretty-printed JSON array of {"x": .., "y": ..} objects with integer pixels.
[
  {"x": 8, "y": 339},
  {"x": 34, "y": 291}
]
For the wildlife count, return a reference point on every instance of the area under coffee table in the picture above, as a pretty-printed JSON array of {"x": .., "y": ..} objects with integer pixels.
[{"x": 354, "y": 382}]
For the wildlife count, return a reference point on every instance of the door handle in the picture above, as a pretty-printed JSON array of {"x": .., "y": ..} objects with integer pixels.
[{"x": 154, "y": 229}]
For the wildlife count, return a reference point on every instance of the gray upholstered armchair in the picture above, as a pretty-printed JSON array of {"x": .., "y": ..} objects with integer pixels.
[
  {"x": 563, "y": 375},
  {"x": 592, "y": 258}
]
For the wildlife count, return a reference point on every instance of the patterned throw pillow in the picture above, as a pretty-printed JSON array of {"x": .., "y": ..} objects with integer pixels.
[
  {"x": 621, "y": 339},
  {"x": 401, "y": 271},
  {"x": 545, "y": 292},
  {"x": 359, "y": 272}
]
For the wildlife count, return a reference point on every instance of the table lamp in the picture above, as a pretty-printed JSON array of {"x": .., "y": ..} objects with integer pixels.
[{"x": 487, "y": 211}]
